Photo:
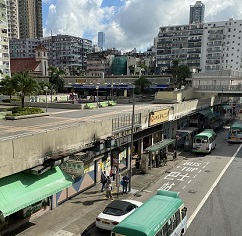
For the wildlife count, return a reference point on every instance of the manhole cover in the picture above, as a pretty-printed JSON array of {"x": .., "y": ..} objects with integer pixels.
[
  {"x": 192, "y": 191},
  {"x": 208, "y": 171}
]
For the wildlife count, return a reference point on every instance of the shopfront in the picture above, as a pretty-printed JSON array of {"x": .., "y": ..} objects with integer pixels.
[{"x": 24, "y": 194}]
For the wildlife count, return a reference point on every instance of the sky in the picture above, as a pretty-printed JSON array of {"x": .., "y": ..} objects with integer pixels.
[{"x": 127, "y": 24}]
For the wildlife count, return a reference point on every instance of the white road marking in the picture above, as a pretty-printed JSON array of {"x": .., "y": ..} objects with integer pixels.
[
  {"x": 194, "y": 176},
  {"x": 147, "y": 191},
  {"x": 199, "y": 171},
  {"x": 189, "y": 181},
  {"x": 211, "y": 189},
  {"x": 184, "y": 187}
]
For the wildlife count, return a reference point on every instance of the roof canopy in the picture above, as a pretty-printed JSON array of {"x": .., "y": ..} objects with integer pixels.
[
  {"x": 23, "y": 189},
  {"x": 160, "y": 145}
]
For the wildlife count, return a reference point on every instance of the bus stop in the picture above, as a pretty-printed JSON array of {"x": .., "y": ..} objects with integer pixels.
[
  {"x": 163, "y": 148},
  {"x": 185, "y": 137}
]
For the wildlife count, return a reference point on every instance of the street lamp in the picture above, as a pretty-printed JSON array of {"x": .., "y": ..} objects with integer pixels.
[
  {"x": 46, "y": 104},
  {"x": 112, "y": 92},
  {"x": 97, "y": 87},
  {"x": 132, "y": 140}
]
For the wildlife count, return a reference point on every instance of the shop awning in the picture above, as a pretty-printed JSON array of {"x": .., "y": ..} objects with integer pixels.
[
  {"x": 23, "y": 189},
  {"x": 212, "y": 115},
  {"x": 205, "y": 112},
  {"x": 158, "y": 146}
]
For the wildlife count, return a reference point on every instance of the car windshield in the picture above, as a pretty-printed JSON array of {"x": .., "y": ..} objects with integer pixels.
[{"x": 113, "y": 211}]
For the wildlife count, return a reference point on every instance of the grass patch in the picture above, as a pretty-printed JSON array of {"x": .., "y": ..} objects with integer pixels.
[{"x": 18, "y": 111}]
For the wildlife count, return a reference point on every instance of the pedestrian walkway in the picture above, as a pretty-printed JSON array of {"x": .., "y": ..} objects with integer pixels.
[{"x": 80, "y": 211}]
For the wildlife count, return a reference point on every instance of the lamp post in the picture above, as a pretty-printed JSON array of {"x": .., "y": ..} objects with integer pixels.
[
  {"x": 112, "y": 92},
  {"x": 46, "y": 104},
  {"x": 97, "y": 87},
  {"x": 132, "y": 140}
]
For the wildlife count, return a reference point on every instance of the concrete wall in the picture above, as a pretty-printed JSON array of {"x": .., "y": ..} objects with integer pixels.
[
  {"x": 175, "y": 95},
  {"x": 26, "y": 152}
]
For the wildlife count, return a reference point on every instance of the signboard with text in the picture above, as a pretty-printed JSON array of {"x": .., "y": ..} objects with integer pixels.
[{"x": 159, "y": 117}]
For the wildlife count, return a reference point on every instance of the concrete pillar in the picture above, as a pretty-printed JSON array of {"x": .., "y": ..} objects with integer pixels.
[{"x": 140, "y": 147}]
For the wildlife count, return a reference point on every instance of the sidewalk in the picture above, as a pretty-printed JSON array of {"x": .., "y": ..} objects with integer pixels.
[{"x": 76, "y": 215}]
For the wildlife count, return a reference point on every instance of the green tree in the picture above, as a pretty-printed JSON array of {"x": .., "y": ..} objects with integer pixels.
[
  {"x": 45, "y": 84},
  {"x": 180, "y": 72},
  {"x": 141, "y": 84},
  {"x": 56, "y": 78},
  {"x": 8, "y": 86},
  {"x": 25, "y": 85}
]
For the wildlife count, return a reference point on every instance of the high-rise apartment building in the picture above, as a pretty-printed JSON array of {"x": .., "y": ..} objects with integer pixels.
[
  {"x": 222, "y": 45},
  {"x": 4, "y": 44},
  {"x": 101, "y": 40},
  {"x": 68, "y": 52},
  {"x": 13, "y": 22},
  {"x": 197, "y": 13},
  {"x": 207, "y": 47},
  {"x": 182, "y": 42},
  {"x": 23, "y": 48},
  {"x": 30, "y": 19}
]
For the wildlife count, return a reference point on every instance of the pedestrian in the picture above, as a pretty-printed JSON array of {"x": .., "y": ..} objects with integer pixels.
[
  {"x": 125, "y": 183},
  {"x": 103, "y": 179},
  {"x": 161, "y": 158},
  {"x": 114, "y": 172},
  {"x": 157, "y": 160},
  {"x": 108, "y": 189},
  {"x": 165, "y": 158}
]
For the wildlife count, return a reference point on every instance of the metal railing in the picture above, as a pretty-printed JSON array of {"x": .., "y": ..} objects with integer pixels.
[{"x": 219, "y": 88}]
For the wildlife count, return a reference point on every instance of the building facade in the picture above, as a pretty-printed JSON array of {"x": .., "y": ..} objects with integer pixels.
[
  {"x": 101, "y": 40},
  {"x": 203, "y": 47},
  {"x": 4, "y": 42},
  {"x": 197, "y": 13},
  {"x": 13, "y": 21},
  {"x": 23, "y": 48},
  {"x": 30, "y": 19},
  {"x": 182, "y": 42},
  {"x": 221, "y": 46},
  {"x": 68, "y": 52}
]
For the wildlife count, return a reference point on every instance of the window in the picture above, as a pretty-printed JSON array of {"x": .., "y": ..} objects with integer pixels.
[{"x": 184, "y": 212}]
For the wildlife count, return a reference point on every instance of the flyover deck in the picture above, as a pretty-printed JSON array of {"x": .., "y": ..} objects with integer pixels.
[{"x": 59, "y": 118}]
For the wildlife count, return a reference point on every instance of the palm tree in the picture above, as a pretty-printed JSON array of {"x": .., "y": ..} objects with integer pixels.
[
  {"x": 25, "y": 85},
  {"x": 56, "y": 78},
  {"x": 142, "y": 83},
  {"x": 8, "y": 86}
]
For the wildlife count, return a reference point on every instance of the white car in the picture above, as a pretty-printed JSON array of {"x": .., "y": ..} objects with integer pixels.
[{"x": 115, "y": 212}]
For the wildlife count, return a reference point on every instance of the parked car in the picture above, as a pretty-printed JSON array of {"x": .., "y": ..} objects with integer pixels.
[{"x": 115, "y": 212}]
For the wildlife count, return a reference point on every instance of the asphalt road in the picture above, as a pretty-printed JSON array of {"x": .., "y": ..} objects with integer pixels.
[
  {"x": 221, "y": 214},
  {"x": 195, "y": 178}
]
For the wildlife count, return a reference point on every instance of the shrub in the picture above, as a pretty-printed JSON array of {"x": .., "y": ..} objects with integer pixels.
[
  {"x": 6, "y": 100},
  {"x": 18, "y": 111}
]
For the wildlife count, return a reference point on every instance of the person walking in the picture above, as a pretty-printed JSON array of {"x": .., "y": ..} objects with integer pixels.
[
  {"x": 108, "y": 189},
  {"x": 114, "y": 172},
  {"x": 125, "y": 183},
  {"x": 103, "y": 180}
]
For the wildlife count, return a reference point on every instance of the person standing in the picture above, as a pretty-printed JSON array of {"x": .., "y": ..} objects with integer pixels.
[
  {"x": 108, "y": 189},
  {"x": 103, "y": 179},
  {"x": 125, "y": 183},
  {"x": 114, "y": 172}
]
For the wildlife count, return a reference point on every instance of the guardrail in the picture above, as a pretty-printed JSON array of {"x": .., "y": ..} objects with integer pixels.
[{"x": 220, "y": 88}]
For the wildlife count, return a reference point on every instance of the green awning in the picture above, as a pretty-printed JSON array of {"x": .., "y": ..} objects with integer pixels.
[
  {"x": 23, "y": 189},
  {"x": 158, "y": 146},
  {"x": 212, "y": 115},
  {"x": 205, "y": 112}
]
